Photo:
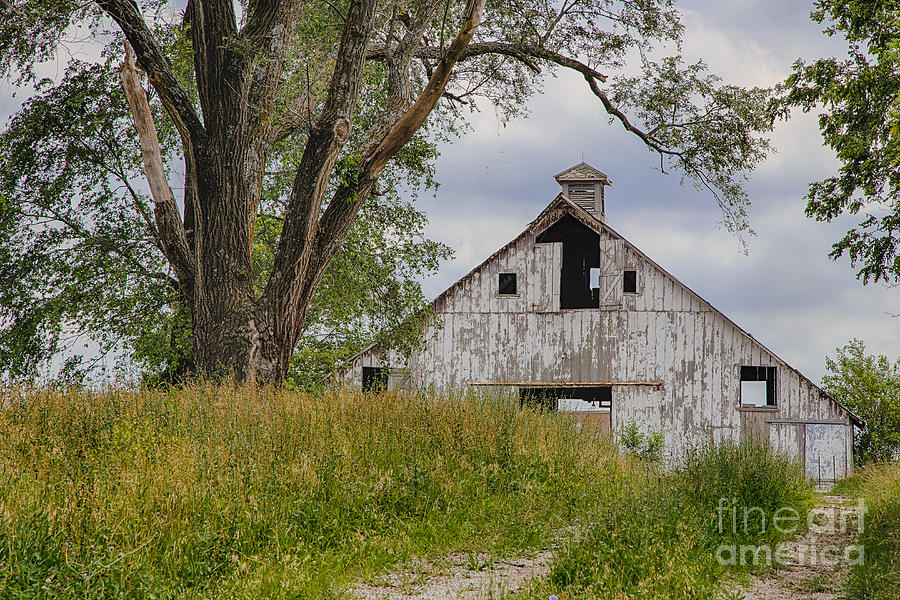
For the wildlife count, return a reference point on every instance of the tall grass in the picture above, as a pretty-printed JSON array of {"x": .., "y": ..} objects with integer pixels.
[
  {"x": 659, "y": 538},
  {"x": 878, "y": 578},
  {"x": 232, "y": 492},
  {"x": 736, "y": 488}
]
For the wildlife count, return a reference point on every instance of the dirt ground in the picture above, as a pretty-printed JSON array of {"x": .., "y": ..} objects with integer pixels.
[
  {"x": 462, "y": 577},
  {"x": 808, "y": 575}
]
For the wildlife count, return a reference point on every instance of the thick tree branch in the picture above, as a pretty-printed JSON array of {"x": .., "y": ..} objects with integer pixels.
[
  {"x": 409, "y": 123},
  {"x": 213, "y": 32},
  {"x": 347, "y": 201},
  {"x": 159, "y": 70},
  {"x": 294, "y": 116},
  {"x": 168, "y": 220},
  {"x": 321, "y": 151}
]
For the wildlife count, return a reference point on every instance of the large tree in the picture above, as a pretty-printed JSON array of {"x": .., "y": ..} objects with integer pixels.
[
  {"x": 859, "y": 96},
  {"x": 352, "y": 83}
]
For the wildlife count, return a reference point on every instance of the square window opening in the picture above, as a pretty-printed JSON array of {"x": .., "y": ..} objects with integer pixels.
[
  {"x": 375, "y": 379},
  {"x": 507, "y": 285},
  {"x": 758, "y": 386},
  {"x": 629, "y": 281}
]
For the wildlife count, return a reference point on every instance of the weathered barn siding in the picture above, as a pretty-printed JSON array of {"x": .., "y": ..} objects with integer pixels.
[{"x": 663, "y": 333}]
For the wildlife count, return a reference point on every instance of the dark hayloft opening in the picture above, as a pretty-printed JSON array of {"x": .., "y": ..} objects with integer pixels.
[
  {"x": 629, "y": 282},
  {"x": 507, "y": 284},
  {"x": 580, "y": 254}
]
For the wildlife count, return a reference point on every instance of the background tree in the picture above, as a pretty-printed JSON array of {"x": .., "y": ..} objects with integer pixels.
[
  {"x": 861, "y": 122},
  {"x": 351, "y": 84},
  {"x": 870, "y": 386}
]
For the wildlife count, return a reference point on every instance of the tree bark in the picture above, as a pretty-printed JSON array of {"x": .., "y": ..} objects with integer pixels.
[{"x": 236, "y": 333}]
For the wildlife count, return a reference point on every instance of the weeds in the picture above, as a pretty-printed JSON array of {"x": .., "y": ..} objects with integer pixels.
[
  {"x": 231, "y": 492},
  {"x": 878, "y": 578},
  {"x": 659, "y": 537}
]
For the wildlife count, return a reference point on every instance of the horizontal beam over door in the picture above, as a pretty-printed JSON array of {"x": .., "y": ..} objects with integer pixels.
[
  {"x": 566, "y": 384},
  {"x": 802, "y": 422}
]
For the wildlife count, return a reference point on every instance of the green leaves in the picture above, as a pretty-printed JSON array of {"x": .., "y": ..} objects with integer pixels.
[
  {"x": 78, "y": 259},
  {"x": 861, "y": 123},
  {"x": 870, "y": 386},
  {"x": 706, "y": 130}
]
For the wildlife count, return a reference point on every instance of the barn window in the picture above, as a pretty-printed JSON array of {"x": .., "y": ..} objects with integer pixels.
[
  {"x": 629, "y": 281},
  {"x": 375, "y": 379},
  {"x": 507, "y": 284},
  {"x": 757, "y": 386}
]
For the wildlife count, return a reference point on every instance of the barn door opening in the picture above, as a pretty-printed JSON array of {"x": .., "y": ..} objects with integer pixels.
[
  {"x": 589, "y": 406},
  {"x": 826, "y": 452}
]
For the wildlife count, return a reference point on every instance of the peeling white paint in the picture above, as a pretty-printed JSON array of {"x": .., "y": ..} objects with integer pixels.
[{"x": 665, "y": 332}]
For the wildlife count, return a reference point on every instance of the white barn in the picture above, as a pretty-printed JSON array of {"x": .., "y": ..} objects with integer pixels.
[{"x": 571, "y": 311}]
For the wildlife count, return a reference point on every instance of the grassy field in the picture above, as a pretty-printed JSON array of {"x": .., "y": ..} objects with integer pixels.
[
  {"x": 879, "y": 577},
  {"x": 237, "y": 493}
]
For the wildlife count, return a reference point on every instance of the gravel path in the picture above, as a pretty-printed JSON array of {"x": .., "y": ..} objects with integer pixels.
[
  {"x": 462, "y": 577},
  {"x": 807, "y": 576}
]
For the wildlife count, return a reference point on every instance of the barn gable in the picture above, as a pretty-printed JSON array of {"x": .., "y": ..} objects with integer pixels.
[{"x": 527, "y": 318}]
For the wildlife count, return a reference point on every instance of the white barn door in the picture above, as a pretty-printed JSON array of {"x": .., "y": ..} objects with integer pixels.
[{"x": 826, "y": 452}]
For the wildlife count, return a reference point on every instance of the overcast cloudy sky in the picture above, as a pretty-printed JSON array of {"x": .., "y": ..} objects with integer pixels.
[{"x": 785, "y": 291}]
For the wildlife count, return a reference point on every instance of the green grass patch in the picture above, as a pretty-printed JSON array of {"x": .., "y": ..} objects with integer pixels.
[
  {"x": 238, "y": 493},
  {"x": 878, "y": 578},
  {"x": 661, "y": 535}
]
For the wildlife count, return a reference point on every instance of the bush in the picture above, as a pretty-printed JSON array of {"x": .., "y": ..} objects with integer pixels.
[
  {"x": 659, "y": 537},
  {"x": 647, "y": 447},
  {"x": 747, "y": 475}
]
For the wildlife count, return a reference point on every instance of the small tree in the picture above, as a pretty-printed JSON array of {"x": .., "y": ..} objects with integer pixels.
[{"x": 870, "y": 386}]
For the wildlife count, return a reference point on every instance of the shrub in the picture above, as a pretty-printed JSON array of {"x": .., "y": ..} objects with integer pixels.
[
  {"x": 647, "y": 447},
  {"x": 746, "y": 477},
  {"x": 658, "y": 538}
]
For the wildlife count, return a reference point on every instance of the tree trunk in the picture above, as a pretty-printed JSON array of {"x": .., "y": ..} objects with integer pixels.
[{"x": 236, "y": 333}]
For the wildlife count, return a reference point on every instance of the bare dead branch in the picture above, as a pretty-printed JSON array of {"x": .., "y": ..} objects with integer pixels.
[
  {"x": 159, "y": 70},
  {"x": 168, "y": 220}
]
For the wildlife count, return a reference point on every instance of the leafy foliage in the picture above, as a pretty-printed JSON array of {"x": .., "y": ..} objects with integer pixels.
[
  {"x": 870, "y": 386},
  {"x": 81, "y": 266},
  {"x": 861, "y": 123},
  {"x": 644, "y": 446}
]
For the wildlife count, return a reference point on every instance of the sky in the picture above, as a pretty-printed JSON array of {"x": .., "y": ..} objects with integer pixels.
[{"x": 784, "y": 290}]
